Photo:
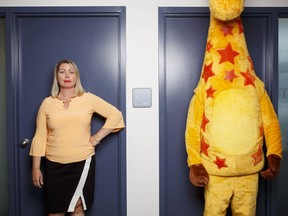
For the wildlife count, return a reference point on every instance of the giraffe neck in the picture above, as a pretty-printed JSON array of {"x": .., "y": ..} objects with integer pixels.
[
  {"x": 226, "y": 47},
  {"x": 227, "y": 63}
]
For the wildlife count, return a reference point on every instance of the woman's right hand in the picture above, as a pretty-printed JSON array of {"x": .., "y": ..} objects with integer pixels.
[{"x": 37, "y": 178}]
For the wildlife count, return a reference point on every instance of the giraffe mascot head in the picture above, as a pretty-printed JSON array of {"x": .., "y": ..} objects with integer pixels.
[{"x": 229, "y": 115}]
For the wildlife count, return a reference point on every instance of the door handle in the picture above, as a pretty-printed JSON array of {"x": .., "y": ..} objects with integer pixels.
[{"x": 24, "y": 143}]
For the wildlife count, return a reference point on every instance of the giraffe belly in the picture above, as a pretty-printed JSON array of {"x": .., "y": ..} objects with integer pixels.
[{"x": 235, "y": 122}]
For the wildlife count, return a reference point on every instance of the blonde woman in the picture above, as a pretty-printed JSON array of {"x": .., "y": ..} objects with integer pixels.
[{"x": 63, "y": 137}]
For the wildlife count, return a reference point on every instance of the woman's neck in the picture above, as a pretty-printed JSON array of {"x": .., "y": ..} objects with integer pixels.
[{"x": 66, "y": 94}]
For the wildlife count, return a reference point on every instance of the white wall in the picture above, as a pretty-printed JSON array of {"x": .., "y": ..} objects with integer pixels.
[{"x": 142, "y": 71}]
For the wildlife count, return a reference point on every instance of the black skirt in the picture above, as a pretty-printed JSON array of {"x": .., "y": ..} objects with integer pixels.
[{"x": 65, "y": 184}]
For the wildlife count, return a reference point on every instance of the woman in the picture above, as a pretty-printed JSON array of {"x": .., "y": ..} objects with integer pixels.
[{"x": 64, "y": 138}]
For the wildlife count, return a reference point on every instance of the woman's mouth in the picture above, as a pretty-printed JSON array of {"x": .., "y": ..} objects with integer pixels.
[{"x": 67, "y": 81}]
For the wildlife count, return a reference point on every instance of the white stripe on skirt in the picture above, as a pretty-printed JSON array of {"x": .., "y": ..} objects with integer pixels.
[{"x": 79, "y": 190}]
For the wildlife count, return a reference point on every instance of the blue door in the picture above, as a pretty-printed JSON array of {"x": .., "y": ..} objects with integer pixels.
[
  {"x": 37, "y": 38},
  {"x": 182, "y": 43}
]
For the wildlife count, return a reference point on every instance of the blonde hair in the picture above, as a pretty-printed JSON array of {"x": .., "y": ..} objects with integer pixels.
[{"x": 79, "y": 90}]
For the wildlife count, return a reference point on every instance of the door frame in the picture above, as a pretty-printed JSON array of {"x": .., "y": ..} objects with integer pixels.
[
  {"x": 270, "y": 79},
  {"x": 12, "y": 91}
]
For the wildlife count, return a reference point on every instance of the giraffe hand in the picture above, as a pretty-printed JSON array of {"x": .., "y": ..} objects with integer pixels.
[
  {"x": 198, "y": 175},
  {"x": 273, "y": 167}
]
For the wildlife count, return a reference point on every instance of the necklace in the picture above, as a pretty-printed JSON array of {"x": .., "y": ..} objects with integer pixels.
[{"x": 65, "y": 100}]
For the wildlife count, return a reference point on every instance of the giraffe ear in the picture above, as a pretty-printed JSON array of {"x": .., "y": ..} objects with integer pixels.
[{"x": 226, "y": 10}]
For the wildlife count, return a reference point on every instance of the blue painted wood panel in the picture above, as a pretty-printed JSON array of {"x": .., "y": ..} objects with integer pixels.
[
  {"x": 94, "y": 38},
  {"x": 182, "y": 43}
]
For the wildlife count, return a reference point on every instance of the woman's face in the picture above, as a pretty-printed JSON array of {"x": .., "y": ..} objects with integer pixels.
[{"x": 66, "y": 76}]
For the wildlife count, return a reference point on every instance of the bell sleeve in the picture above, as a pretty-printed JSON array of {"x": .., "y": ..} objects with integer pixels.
[
  {"x": 114, "y": 118},
  {"x": 38, "y": 146}
]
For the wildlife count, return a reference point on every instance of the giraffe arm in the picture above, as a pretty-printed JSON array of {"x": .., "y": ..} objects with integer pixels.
[
  {"x": 271, "y": 126},
  {"x": 273, "y": 138},
  {"x": 192, "y": 133}
]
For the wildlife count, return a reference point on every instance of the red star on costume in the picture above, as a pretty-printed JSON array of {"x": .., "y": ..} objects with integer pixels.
[
  {"x": 220, "y": 162},
  {"x": 261, "y": 131},
  {"x": 230, "y": 75},
  {"x": 257, "y": 156},
  {"x": 210, "y": 92},
  {"x": 204, "y": 147},
  {"x": 208, "y": 46},
  {"x": 240, "y": 26},
  {"x": 227, "y": 30},
  {"x": 227, "y": 54},
  {"x": 249, "y": 78},
  {"x": 251, "y": 63},
  {"x": 205, "y": 121},
  {"x": 207, "y": 72}
]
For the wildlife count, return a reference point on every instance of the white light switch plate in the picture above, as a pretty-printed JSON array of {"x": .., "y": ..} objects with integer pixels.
[{"x": 142, "y": 97}]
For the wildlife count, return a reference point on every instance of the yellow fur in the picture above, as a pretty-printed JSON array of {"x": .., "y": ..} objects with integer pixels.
[{"x": 228, "y": 117}]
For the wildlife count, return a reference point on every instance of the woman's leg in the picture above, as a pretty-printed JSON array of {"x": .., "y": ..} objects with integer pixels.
[
  {"x": 57, "y": 214},
  {"x": 79, "y": 210}
]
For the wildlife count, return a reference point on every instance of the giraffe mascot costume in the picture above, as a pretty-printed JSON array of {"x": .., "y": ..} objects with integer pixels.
[{"x": 229, "y": 115}]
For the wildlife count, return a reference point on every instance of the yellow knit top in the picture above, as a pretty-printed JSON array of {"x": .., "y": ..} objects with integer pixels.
[{"x": 62, "y": 135}]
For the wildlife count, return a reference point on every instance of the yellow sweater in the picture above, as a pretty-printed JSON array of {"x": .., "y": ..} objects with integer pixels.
[{"x": 63, "y": 135}]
